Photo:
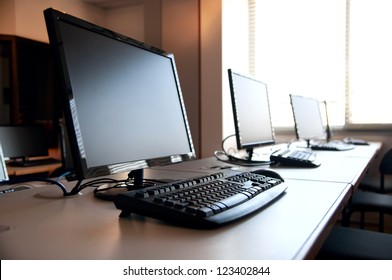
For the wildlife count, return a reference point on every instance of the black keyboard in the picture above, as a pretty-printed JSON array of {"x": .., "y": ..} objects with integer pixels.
[
  {"x": 294, "y": 157},
  {"x": 203, "y": 202},
  {"x": 332, "y": 146}
]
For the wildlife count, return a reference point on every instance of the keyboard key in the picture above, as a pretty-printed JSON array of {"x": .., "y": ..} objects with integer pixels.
[{"x": 234, "y": 200}]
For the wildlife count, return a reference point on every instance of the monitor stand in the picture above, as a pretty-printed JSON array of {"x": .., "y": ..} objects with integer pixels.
[
  {"x": 328, "y": 129},
  {"x": 249, "y": 151},
  {"x": 109, "y": 191},
  {"x": 138, "y": 178},
  {"x": 248, "y": 159}
]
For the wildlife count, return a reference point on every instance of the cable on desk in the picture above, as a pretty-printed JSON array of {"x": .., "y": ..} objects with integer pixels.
[
  {"x": 64, "y": 175},
  {"x": 225, "y": 156},
  {"x": 127, "y": 183}
]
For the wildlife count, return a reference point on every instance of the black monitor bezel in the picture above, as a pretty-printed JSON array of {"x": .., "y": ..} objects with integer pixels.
[
  {"x": 82, "y": 170},
  {"x": 240, "y": 144}
]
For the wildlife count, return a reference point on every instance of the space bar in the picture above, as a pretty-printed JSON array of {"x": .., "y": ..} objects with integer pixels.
[
  {"x": 222, "y": 205},
  {"x": 234, "y": 200}
]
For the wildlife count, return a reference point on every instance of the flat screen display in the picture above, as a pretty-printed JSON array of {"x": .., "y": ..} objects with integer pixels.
[
  {"x": 3, "y": 168},
  {"x": 22, "y": 142},
  {"x": 251, "y": 111},
  {"x": 307, "y": 118},
  {"x": 123, "y": 103}
]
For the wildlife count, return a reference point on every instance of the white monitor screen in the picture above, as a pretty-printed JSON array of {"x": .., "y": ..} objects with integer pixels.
[
  {"x": 307, "y": 117},
  {"x": 251, "y": 111}
]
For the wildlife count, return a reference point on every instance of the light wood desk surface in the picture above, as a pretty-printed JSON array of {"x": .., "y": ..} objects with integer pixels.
[{"x": 41, "y": 224}]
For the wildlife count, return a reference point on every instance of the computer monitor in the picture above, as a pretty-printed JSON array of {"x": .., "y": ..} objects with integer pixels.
[
  {"x": 3, "y": 167},
  {"x": 123, "y": 105},
  {"x": 307, "y": 118},
  {"x": 251, "y": 112},
  {"x": 22, "y": 142}
]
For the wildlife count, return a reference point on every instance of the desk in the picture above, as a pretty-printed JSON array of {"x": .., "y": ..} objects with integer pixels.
[
  {"x": 41, "y": 224},
  {"x": 31, "y": 170},
  {"x": 337, "y": 166}
]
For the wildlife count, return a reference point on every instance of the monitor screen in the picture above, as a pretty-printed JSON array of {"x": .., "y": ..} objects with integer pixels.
[
  {"x": 3, "y": 168},
  {"x": 251, "y": 111},
  {"x": 22, "y": 142},
  {"x": 307, "y": 118},
  {"x": 124, "y": 109}
]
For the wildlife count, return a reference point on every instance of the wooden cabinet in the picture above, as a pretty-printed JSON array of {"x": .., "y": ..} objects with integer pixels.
[{"x": 28, "y": 88}]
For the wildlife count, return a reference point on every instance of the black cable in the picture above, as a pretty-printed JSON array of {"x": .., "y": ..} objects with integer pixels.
[
  {"x": 79, "y": 186},
  {"x": 226, "y": 157},
  {"x": 109, "y": 187},
  {"x": 223, "y": 143},
  {"x": 127, "y": 183}
]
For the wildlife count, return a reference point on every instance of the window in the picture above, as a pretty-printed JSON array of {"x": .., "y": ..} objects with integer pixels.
[
  {"x": 334, "y": 50},
  {"x": 300, "y": 49},
  {"x": 369, "y": 62}
]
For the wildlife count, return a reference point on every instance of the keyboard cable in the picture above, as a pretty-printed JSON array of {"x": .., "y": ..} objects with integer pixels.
[{"x": 224, "y": 156}]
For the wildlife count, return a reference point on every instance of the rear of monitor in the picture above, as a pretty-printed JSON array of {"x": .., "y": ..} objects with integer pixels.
[
  {"x": 251, "y": 112},
  {"x": 122, "y": 100},
  {"x": 307, "y": 118}
]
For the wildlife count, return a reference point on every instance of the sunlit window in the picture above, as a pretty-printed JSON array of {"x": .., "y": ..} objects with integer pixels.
[
  {"x": 370, "y": 62},
  {"x": 300, "y": 49},
  {"x": 337, "y": 51}
]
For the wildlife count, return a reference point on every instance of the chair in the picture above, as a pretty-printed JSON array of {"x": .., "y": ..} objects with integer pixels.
[
  {"x": 380, "y": 185},
  {"x": 362, "y": 201},
  {"x": 344, "y": 243},
  {"x": 367, "y": 201}
]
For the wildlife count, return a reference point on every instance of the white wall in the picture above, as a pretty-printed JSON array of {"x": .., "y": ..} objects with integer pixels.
[
  {"x": 180, "y": 36},
  {"x": 7, "y": 17},
  {"x": 128, "y": 21},
  {"x": 211, "y": 76}
]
